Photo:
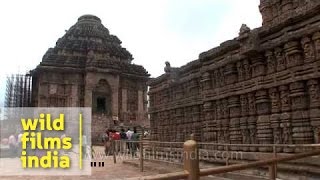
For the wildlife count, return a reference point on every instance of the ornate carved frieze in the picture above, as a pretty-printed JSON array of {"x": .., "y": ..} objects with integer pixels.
[
  {"x": 293, "y": 54},
  {"x": 262, "y": 87}
]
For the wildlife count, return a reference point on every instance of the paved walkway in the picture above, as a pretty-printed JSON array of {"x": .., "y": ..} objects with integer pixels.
[{"x": 109, "y": 171}]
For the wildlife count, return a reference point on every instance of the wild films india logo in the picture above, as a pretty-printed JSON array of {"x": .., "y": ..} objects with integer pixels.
[
  {"x": 49, "y": 141},
  {"x": 35, "y": 140}
]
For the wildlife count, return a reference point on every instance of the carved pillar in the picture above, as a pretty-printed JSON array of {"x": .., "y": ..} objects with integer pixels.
[
  {"x": 314, "y": 99},
  {"x": 217, "y": 78},
  {"x": 206, "y": 81},
  {"x": 285, "y": 117},
  {"x": 219, "y": 123},
  {"x": 308, "y": 50},
  {"x": 213, "y": 80},
  {"x": 213, "y": 124},
  {"x": 209, "y": 122},
  {"x": 205, "y": 123},
  {"x": 240, "y": 70},
  {"x": 222, "y": 77},
  {"x": 258, "y": 65},
  {"x": 230, "y": 73},
  {"x": 180, "y": 120},
  {"x": 264, "y": 131},
  {"x": 301, "y": 129},
  {"x": 244, "y": 121},
  {"x": 316, "y": 40},
  {"x": 234, "y": 128},
  {"x": 115, "y": 101},
  {"x": 74, "y": 95},
  {"x": 293, "y": 54},
  {"x": 124, "y": 102},
  {"x": 247, "y": 69},
  {"x": 281, "y": 61},
  {"x": 88, "y": 97},
  {"x": 252, "y": 120},
  {"x": 275, "y": 116},
  {"x": 225, "y": 120},
  {"x": 195, "y": 121},
  {"x": 271, "y": 62},
  {"x": 140, "y": 106}
]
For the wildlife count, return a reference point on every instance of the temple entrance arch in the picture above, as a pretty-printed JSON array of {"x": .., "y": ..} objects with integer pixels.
[{"x": 101, "y": 98}]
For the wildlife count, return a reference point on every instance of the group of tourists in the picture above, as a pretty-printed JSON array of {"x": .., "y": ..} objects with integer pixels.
[
  {"x": 14, "y": 142},
  {"x": 123, "y": 141}
]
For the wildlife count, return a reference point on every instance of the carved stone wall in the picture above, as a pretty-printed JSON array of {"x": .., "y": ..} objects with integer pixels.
[{"x": 262, "y": 87}]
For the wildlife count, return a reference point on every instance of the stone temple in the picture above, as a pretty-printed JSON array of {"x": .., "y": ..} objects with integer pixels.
[
  {"x": 89, "y": 68},
  {"x": 261, "y": 87}
]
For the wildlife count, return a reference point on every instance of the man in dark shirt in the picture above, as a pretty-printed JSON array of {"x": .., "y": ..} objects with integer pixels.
[{"x": 123, "y": 137}]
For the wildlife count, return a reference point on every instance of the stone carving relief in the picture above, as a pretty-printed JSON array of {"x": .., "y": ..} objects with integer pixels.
[
  {"x": 316, "y": 40},
  {"x": 247, "y": 69},
  {"x": 293, "y": 54},
  {"x": 281, "y": 61},
  {"x": 271, "y": 62},
  {"x": 308, "y": 50},
  {"x": 275, "y": 100},
  {"x": 241, "y": 74}
]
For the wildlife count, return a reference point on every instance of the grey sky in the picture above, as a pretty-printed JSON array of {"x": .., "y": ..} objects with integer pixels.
[{"x": 154, "y": 31}]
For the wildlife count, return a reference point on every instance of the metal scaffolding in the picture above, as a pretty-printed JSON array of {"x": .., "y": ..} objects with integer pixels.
[{"x": 18, "y": 91}]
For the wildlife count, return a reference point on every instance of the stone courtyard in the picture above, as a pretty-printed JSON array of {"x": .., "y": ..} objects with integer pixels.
[{"x": 109, "y": 171}]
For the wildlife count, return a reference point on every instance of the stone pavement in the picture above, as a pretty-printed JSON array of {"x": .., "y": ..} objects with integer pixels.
[{"x": 109, "y": 171}]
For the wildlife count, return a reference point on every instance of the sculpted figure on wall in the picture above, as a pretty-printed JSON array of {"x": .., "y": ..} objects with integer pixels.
[
  {"x": 281, "y": 61},
  {"x": 284, "y": 97},
  {"x": 316, "y": 40},
  {"x": 252, "y": 103},
  {"x": 245, "y": 136},
  {"x": 271, "y": 62},
  {"x": 308, "y": 50},
  {"x": 275, "y": 100},
  {"x": 314, "y": 92},
  {"x": 293, "y": 54},
  {"x": 244, "y": 105},
  {"x": 314, "y": 113},
  {"x": 247, "y": 69},
  {"x": 240, "y": 71}
]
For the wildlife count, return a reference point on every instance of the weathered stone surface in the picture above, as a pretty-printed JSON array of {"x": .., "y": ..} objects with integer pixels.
[
  {"x": 89, "y": 68},
  {"x": 262, "y": 87}
]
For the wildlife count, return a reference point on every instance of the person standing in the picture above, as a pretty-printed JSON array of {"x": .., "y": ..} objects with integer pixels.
[
  {"x": 123, "y": 138},
  {"x": 13, "y": 145},
  {"x": 19, "y": 147},
  {"x": 116, "y": 140},
  {"x": 129, "y": 134},
  {"x": 106, "y": 142},
  {"x": 135, "y": 137}
]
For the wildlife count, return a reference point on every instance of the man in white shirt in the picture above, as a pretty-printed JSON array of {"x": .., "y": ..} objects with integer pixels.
[{"x": 129, "y": 135}]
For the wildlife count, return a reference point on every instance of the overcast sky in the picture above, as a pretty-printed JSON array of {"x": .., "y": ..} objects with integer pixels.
[{"x": 154, "y": 31}]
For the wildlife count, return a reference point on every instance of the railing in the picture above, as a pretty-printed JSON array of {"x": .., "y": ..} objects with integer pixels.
[{"x": 190, "y": 160}]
